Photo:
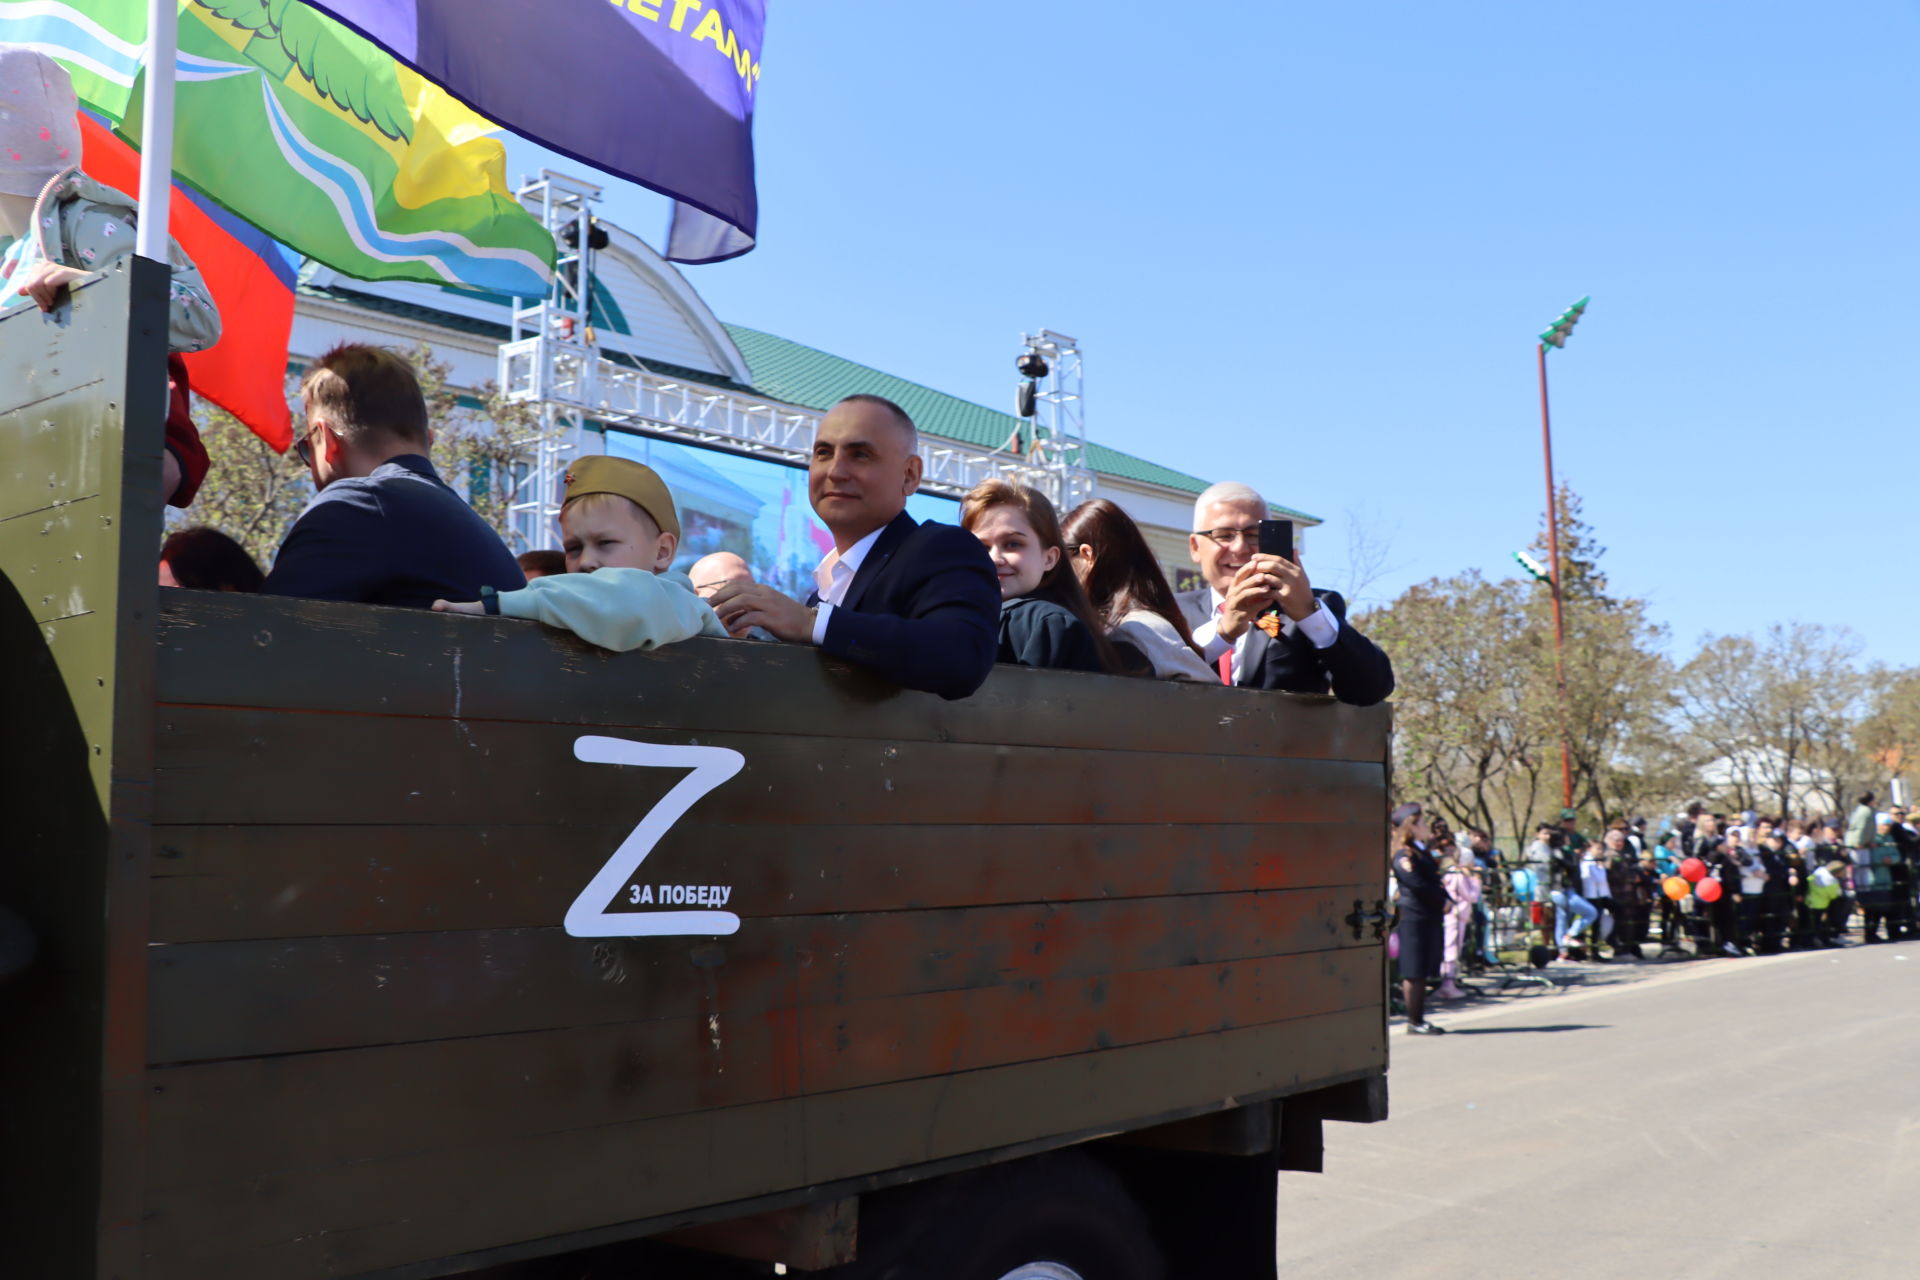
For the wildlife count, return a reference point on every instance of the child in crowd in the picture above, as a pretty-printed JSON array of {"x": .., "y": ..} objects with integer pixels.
[
  {"x": 1827, "y": 906},
  {"x": 1597, "y": 887},
  {"x": 1045, "y": 620},
  {"x": 1460, "y": 877},
  {"x": 621, "y": 532},
  {"x": 60, "y": 228}
]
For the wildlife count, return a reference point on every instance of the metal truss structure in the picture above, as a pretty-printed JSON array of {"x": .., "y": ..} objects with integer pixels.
[
  {"x": 1059, "y": 440},
  {"x": 553, "y": 360}
]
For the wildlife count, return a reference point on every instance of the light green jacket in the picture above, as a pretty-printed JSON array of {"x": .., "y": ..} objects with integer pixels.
[
  {"x": 1860, "y": 827},
  {"x": 86, "y": 224},
  {"x": 618, "y": 609}
]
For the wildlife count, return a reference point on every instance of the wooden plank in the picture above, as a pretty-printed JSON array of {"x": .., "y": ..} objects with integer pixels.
[
  {"x": 232, "y": 650},
  {"x": 220, "y": 1000},
  {"x": 228, "y": 883},
  {"x": 314, "y": 1109},
  {"x": 388, "y": 1212},
  {"x": 223, "y": 765}
]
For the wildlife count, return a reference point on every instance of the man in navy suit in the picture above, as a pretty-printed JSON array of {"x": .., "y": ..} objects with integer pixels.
[
  {"x": 1261, "y": 622},
  {"x": 916, "y": 603},
  {"x": 383, "y": 529}
]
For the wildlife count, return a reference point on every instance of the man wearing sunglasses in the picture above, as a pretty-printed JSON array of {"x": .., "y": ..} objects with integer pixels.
[
  {"x": 1260, "y": 622},
  {"x": 384, "y": 528}
]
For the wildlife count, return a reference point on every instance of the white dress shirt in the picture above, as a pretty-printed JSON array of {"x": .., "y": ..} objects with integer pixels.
[
  {"x": 1593, "y": 879},
  {"x": 1320, "y": 626},
  {"x": 834, "y": 575}
]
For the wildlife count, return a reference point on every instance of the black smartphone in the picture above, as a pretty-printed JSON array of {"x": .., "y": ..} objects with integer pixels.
[{"x": 1276, "y": 538}]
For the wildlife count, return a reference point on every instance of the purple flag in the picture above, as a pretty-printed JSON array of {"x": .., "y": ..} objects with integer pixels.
[{"x": 659, "y": 92}]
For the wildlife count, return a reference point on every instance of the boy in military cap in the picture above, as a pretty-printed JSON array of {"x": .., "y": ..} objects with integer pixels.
[{"x": 620, "y": 533}]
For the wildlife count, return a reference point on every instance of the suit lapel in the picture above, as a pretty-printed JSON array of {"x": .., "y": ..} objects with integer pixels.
[{"x": 883, "y": 548}]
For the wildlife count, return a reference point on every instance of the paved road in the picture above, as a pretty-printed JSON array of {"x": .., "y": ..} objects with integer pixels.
[{"x": 1753, "y": 1118}]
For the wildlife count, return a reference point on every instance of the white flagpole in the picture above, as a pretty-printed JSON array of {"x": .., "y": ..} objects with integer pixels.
[{"x": 156, "y": 129}]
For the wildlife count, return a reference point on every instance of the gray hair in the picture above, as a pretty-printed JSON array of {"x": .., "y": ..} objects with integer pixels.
[{"x": 1226, "y": 491}]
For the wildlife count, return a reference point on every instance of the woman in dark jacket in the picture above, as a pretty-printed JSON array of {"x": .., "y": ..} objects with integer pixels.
[
  {"x": 1422, "y": 904},
  {"x": 1045, "y": 620}
]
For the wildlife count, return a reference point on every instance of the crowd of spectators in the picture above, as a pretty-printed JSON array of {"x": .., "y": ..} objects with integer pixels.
[{"x": 1703, "y": 885}]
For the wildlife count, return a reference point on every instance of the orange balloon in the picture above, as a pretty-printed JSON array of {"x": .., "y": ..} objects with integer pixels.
[{"x": 1676, "y": 887}]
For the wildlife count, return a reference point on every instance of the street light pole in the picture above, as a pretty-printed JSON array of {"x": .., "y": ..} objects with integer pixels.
[
  {"x": 1556, "y": 336},
  {"x": 1553, "y": 582}
]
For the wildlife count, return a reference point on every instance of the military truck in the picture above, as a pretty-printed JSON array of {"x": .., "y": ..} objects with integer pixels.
[{"x": 349, "y": 941}]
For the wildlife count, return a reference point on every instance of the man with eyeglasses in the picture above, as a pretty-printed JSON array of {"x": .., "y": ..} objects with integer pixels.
[
  {"x": 1260, "y": 622},
  {"x": 383, "y": 528}
]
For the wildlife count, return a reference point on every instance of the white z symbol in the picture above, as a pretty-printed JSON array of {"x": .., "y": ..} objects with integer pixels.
[{"x": 588, "y": 916}]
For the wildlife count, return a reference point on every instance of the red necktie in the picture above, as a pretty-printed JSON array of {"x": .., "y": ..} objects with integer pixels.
[{"x": 1226, "y": 659}]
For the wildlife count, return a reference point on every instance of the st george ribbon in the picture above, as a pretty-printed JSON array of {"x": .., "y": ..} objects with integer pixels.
[{"x": 659, "y": 92}]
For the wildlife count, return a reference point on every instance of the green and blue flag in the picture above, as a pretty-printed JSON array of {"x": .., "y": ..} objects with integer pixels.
[
  {"x": 659, "y": 92},
  {"x": 311, "y": 133}
]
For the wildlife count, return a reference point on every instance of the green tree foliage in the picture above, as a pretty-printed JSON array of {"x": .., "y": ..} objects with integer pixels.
[
  {"x": 1581, "y": 577},
  {"x": 1480, "y": 719},
  {"x": 1467, "y": 732}
]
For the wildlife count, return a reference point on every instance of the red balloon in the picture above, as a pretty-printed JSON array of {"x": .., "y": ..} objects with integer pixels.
[
  {"x": 1676, "y": 888},
  {"x": 1694, "y": 870},
  {"x": 1707, "y": 891}
]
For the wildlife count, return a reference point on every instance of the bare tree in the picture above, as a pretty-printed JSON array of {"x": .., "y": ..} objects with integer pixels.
[
  {"x": 484, "y": 444},
  {"x": 1369, "y": 558},
  {"x": 1466, "y": 731},
  {"x": 1780, "y": 714},
  {"x": 1889, "y": 733}
]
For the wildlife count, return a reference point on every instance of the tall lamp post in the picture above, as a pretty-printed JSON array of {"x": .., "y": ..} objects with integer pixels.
[{"x": 1556, "y": 336}]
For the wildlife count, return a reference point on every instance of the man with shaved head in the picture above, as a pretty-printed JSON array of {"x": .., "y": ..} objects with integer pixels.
[
  {"x": 712, "y": 572},
  {"x": 916, "y": 603},
  {"x": 1261, "y": 622}
]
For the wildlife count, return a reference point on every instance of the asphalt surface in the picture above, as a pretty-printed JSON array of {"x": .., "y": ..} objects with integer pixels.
[{"x": 1751, "y": 1118}]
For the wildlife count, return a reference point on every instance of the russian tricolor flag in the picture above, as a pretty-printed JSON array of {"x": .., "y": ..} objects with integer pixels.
[{"x": 251, "y": 278}]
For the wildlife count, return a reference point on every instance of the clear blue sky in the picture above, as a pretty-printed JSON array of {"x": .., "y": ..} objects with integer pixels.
[{"x": 1308, "y": 246}]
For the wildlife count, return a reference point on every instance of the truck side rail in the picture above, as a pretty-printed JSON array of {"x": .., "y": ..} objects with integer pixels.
[{"x": 458, "y": 938}]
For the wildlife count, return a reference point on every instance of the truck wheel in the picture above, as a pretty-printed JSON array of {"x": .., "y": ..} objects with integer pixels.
[{"x": 1055, "y": 1217}]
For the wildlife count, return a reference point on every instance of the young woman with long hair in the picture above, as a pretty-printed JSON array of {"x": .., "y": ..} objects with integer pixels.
[
  {"x": 1124, "y": 584},
  {"x": 1045, "y": 620}
]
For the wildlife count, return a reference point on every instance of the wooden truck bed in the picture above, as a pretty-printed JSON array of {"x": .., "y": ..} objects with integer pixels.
[{"x": 306, "y": 1005}]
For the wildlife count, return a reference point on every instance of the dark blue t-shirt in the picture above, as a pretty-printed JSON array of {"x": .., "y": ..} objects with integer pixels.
[{"x": 398, "y": 536}]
